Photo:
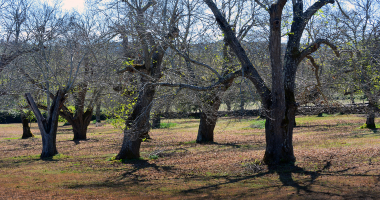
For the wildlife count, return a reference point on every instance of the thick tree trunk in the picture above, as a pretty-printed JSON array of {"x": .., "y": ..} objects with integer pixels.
[
  {"x": 130, "y": 148},
  {"x": 208, "y": 121},
  {"x": 276, "y": 121},
  {"x": 80, "y": 128},
  {"x": 79, "y": 121},
  {"x": 26, "y": 133},
  {"x": 137, "y": 125},
  {"x": 49, "y": 146},
  {"x": 48, "y": 127},
  {"x": 206, "y": 128}
]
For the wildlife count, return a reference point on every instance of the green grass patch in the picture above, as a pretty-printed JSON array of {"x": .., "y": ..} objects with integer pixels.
[
  {"x": 364, "y": 126},
  {"x": 167, "y": 125},
  {"x": 14, "y": 138},
  {"x": 191, "y": 142},
  {"x": 260, "y": 124}
]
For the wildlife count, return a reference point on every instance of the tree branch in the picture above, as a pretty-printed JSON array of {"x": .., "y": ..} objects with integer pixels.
[
  {"x": 196, "y": 62},
  {"x": 5, "y": 60},
  {"x": 316, "y": 66},
  {"x": 130, "y": 68},
  {"x": 150, "y": 3},
  {"x": 247, "y": 67},
  {"x": 262, "y": 5},
  {"x": 40, "y": 119},
  {"x": 314, "y": 8},
  {"x": 341, "y": 10},
  {"x": 224, "y": 80},
  {"x": 31, "y": 80},
  {"x": 315, "y": 46}
]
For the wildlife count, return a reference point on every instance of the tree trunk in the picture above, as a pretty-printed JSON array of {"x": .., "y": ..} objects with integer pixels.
[
  {"x": 80, "y": 127},
  {"x": 279, "y": 145},
  {"x": 208, "y": 121},
  {"x": 156, "y": 123},
  {"x": 137, "y": 125},
  {"x": 79, "y": 121},
  {"x": 97, "y": 113},
  {"x": 26, "y": 133},
  {"x": 48, "y": 127},
  {"x": 276, "y": 124},
  {"x": 130, "y": 148},
  {"x": 206, "y": 128},
  {"x": 370, "y": 122},
  {"x": 242, "y": 104},
  {"x": 228, "y": 104}
]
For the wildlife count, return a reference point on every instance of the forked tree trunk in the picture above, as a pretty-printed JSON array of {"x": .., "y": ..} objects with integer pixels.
[
  {"x": 279, "y": 103},
  {"x": 137, "y": 125},
  {"x": 208, "y": 121},
  {"x": 48, "y": 127},
  {"x": 80, "y": 127},
  {"x": 26, "y": 133},
  {"x": 79, "y": 122}
]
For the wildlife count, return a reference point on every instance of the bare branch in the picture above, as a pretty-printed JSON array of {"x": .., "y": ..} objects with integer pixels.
[
  {"x": 39, "y": 85},
  {"x": 234, "y": 44},
  {"x": 150, "y": 3},
  {"x": 316, "y": 66},
  {"x": 224, "y": 80},
  {"x": 315, "y": 46},
  {"x": 196, "y": 62},
  {"x": 261, "y": 5},
  {"x": 5, "y": 60},
  {"x": 314, "y": 8},
  {"x": 341, "y": 10},
  {"x": 130, "y": 68}
]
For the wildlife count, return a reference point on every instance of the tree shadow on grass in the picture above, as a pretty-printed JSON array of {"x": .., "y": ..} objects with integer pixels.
[
  {"x": 284, "y": 172},
  {"x": 129, "y": 177}
]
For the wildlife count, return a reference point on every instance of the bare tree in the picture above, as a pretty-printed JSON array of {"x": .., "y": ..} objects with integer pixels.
[
  {"x": 58, "y": 62},
  {"x": 279, "y": 101},
  {"x": 359, "y": 28},
  {"x": 15, "y": 32}
]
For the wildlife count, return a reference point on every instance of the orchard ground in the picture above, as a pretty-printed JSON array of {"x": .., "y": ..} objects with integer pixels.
[{"x": 335, "y": 160}]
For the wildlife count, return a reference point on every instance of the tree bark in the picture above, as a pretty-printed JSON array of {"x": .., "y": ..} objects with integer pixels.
[
  {"x": 26, "y": 133},
  {"x": 137, "y": 125},
  {"x": 48, "y": 127},
  {"x": 276, "y": 122},
  {"x": 80, "y": 125},
  {"x": 208, "y": 120},
  {"x": 156, "y": 123},
  {"x": 97, "y": 112},
  {"x": 279, "y": 102},
  {"x": 372, "y": 108},
  {"x": 79, "y": 121}
]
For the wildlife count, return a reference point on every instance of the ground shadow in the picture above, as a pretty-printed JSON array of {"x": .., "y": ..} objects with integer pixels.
[{"x": 129, "y": 177}]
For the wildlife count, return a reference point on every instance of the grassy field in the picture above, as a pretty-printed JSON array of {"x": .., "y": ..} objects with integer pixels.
[{"x": 335, "y": 160}]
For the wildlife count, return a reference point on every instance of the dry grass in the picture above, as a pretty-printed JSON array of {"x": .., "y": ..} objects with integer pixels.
[{"x": 335, "y": 160}]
